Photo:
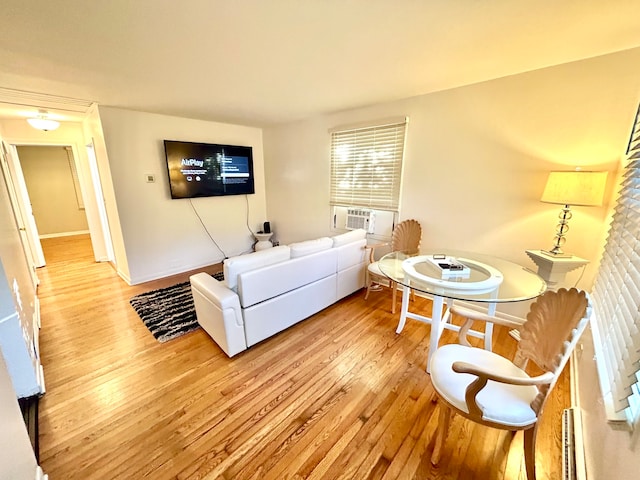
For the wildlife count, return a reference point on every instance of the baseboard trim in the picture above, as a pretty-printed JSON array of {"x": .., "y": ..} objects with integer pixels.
[{"x": 64, "y": 234}]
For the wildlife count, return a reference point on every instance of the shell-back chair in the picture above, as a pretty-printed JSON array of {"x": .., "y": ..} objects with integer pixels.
[
  {"x": 491, "y": 390},
  {"x": 405, "y": 237}
]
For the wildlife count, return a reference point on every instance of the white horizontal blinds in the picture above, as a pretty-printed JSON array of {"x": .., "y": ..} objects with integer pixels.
[
  {"x": 616, "y": 296},
  {"x": 366, "y": 166}
]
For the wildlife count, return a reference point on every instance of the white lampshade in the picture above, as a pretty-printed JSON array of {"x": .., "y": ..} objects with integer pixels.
[
  {"x": 42, "y": 122},
  {"x": 576, "y": 187}
]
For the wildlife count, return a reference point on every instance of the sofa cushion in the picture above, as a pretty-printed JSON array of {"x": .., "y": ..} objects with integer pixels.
[
  {"x": 234, "y": 266},
  {"x": 272, "y": 316},
  {"x": 351, "y": 254},
  {"x": 264, "y": 283},
  {"x": 300, "y": 249},
  {"x": 352, "y": 236}
]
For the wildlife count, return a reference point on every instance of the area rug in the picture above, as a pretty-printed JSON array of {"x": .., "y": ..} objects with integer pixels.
[{"x": 168, "y": 312}]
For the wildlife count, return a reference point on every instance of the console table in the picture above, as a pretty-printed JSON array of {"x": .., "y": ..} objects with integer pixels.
[{"x": 554, "y": 268}]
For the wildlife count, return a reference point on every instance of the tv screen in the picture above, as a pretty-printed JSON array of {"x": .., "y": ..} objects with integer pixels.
[{"x": 206, "y": 170}]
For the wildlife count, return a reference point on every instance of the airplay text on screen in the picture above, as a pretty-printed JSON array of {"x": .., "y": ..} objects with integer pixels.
[{"x": 228, "y": 168}]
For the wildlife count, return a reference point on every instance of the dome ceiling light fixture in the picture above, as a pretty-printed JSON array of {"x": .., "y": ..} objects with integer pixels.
[{"x": 43, "y": 122}]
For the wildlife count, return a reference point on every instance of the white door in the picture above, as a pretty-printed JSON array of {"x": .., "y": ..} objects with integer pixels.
[
  {"x": 102, "y": 210},
  {"x": 22, "y": 206}
]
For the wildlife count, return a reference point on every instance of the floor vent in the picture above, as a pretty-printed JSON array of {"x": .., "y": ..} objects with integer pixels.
[{"x": 572, "y": 448}]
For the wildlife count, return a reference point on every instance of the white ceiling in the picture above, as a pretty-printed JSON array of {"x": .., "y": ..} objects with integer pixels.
[{"x": 261, "y": 62}]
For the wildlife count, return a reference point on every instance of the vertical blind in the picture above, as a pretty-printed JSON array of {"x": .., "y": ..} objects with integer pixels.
[
  {"x": 616, "y": 296},
  {"x": 366, "y": 165}
]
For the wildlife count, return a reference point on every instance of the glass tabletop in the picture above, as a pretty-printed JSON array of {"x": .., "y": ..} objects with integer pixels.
[{"x": 463, "y": 276}]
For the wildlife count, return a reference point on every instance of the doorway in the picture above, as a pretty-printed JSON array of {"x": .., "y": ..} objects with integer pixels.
[
  {"x": 53, "y": 187},
  {"x": 61, "y": 196}
]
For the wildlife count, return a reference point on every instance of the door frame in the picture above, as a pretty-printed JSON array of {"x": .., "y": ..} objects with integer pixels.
[
  {"x": 91, "y": 193},
  {"x": 22, "y": 205}
]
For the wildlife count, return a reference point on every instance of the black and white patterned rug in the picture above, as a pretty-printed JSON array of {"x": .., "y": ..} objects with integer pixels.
[{"x": 168, "y": 312}]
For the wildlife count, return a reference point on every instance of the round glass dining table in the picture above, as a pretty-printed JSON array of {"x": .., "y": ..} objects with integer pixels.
[{"x": 447, "y": 275}]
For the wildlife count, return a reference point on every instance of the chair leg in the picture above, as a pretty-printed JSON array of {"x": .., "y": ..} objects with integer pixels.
[
  {"x": 394, "y": 285},
  {"x": 530, "y": 451},
  {"x": 441, "y": 433},
  {"x": 368, "y": 284}
]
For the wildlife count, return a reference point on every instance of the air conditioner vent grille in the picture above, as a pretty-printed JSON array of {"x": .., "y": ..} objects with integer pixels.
[
  {"x": 568, "y": 445},
  {"x": 360, "y": 218}
]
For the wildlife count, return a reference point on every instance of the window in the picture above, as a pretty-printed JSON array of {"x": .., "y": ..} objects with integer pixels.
[
  {"x": 366, "y": 165},
  {"x": 616, "y": 297}
]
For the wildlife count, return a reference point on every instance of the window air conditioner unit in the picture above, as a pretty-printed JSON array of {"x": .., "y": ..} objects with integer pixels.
[{"x": 360, "y": 218}]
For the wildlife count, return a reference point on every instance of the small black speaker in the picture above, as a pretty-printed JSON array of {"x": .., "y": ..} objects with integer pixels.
[{"x": 267, "y": 227}]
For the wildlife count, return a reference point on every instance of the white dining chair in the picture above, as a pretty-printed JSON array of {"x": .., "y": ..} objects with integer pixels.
[
  {"x": 405, "y": 237},
  {"x": 494, "y": 391}
]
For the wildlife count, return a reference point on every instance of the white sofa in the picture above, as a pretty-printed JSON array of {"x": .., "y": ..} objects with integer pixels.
[{"x": 270, "y": 290}]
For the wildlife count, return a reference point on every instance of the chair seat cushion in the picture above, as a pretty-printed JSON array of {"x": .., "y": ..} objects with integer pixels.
[
  {"x": 374, "y": 268},
  {"x": 509, "y": 405},
  {"x": 396, "y": 266}
]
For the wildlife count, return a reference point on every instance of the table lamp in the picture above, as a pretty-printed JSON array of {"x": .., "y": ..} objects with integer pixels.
[{"x": 578, "y": 188}]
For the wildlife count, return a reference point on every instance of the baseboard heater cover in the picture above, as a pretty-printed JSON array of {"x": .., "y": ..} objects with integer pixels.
[{"x": 573, "y": 462}]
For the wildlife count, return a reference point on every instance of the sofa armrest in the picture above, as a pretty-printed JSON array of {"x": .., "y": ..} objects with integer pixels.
[{"x": 218, "y": 312}]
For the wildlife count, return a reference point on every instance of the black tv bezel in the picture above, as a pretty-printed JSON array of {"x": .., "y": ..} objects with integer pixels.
[{"x": 237, "y": 150}]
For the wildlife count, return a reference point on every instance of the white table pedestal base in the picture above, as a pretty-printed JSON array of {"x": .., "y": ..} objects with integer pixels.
[{"x": 440, "y": 320}]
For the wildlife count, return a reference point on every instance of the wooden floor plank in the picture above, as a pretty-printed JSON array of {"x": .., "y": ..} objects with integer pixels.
[{"x": 337, "y": 396}]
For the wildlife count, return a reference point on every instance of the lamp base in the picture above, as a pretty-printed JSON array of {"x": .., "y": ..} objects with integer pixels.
[{"x": 556, "y": 255}]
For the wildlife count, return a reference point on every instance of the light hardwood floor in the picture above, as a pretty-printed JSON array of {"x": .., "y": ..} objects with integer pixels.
[{"x": 339, "y": 395}]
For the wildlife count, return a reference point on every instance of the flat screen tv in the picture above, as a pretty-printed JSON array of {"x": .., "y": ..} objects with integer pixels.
[{"x": 207, "y": 170}]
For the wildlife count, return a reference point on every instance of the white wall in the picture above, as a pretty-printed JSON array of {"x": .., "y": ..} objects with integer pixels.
[
  {"x": 610, "y": 452},
  {"x": 52, "y": 192},
  {"x": 109, "y": 241},
  {"x": 476, "y": 161},
  {"x": 162, "y": 236},
  {"x": 17, "y": 459},
  {"x": 477, "y": 158}
]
